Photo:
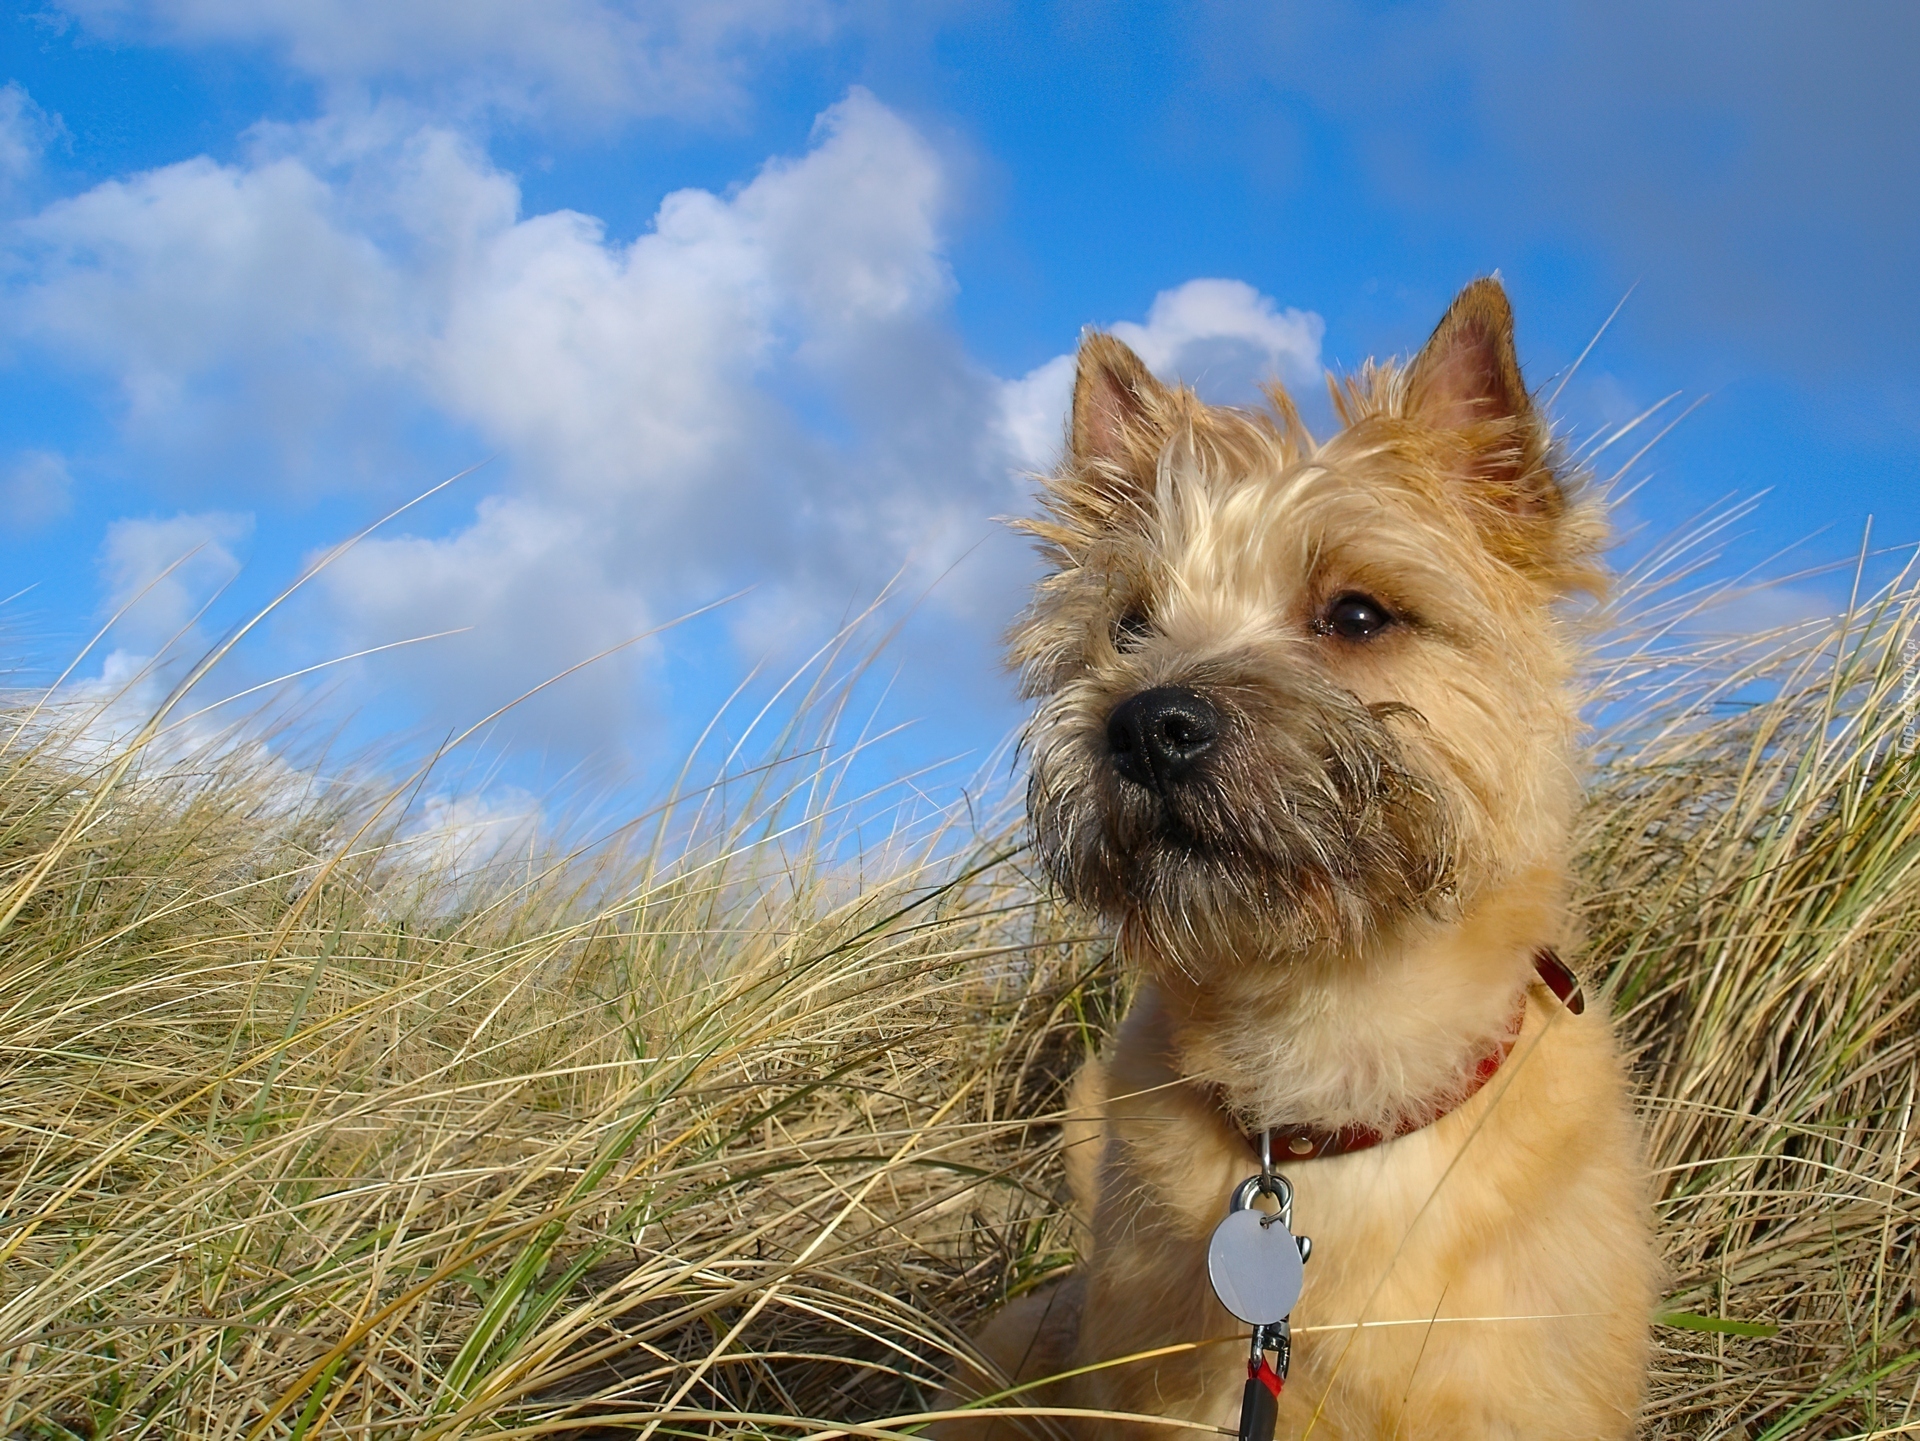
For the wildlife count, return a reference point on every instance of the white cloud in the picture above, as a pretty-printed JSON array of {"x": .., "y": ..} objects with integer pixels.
[
  {"x": 157, "y": 576},
  {"x": 458, "y": 837},
  {"x": 225, "y": 301},
  {"x": 25, "y": 132},
  {"x": 35, "y": 489},
  {"x": 577, "y": 58},
  {"x": 637, "y": 390},
  {"x": 1222, "y": 337},
  {"x": 1033, "y": 412},
  {"x": 763, "y": 390},
  {"x": 162, "y": 572},
  {"x": 97, "y": 718},
  {"x": 532, "y": 588}
]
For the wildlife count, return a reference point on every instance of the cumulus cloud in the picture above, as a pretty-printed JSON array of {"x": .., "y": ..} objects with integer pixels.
[
  {"x": 1033, "y": 412},
  {"x": 235, "y": 302},
  {"x": 654, "y": 400},
  {"x": 762, "y": 391},
  {"x": 156, "y": 578},
  {"x": 527, "y": 590},
  {"x": 456, "y": 838},
  {"x": 1222, "y": 337},
  {"x": 161, "y": 572},
  {"x": 25, "y": 132},
  {"x": 574, "y": 58}
]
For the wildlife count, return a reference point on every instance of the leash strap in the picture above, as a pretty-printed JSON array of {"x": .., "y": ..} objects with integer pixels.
[{"x": 1260, "y": 1401}]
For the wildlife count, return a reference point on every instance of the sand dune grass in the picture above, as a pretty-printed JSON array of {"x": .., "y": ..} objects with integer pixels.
[{"x": 723, "y": 1138}]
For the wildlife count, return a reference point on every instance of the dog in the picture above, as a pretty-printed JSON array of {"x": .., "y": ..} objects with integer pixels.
[{"x": 1305, "y": 733}]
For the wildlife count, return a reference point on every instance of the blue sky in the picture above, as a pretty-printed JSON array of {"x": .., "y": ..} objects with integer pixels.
[{"x": 771, "y": 296}]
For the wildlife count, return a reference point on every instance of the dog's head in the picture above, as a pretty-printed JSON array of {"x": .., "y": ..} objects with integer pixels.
[{"x": 1292, "y": 691}]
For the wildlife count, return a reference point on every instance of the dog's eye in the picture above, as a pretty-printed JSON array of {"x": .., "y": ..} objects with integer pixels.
[
  {"x": 1355, "y": 617},
  {"x": 1130, "y": 632}
]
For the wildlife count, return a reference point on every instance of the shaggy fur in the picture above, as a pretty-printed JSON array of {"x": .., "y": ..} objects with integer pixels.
[{"x": 1333, "y": 916}]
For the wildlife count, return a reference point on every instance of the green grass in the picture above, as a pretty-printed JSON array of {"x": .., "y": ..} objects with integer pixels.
[{"x": 732, "y": 1134}]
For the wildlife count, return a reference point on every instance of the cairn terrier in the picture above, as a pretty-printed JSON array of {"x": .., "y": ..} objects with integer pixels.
[{"x": 1305, "y": 733}]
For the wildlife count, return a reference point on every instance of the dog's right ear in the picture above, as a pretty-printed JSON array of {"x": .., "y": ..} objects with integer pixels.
[{"x": 1121, "y": 417}]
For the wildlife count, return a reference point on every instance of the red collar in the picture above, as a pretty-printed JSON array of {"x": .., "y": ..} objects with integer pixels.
[{"x": 1307, "y": 1143}]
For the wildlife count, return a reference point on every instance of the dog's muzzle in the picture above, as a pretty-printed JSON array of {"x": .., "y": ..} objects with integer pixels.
[{"x": 1157, "y": 738}]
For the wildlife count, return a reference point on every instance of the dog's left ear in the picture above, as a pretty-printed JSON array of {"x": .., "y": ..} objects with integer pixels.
[{"x": 1466, "y": 382}]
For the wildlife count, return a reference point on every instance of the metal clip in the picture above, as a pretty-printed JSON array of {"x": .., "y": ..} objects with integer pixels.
[
  {"x": 1277, "y": 1338},
  {"x": 1270, "y": 1183}
]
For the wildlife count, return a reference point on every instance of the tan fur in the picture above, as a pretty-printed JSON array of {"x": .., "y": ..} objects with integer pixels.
[{"x": 1338, "y": 916}]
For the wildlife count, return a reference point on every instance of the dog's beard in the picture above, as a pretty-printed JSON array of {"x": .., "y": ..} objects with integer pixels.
[{"x": 1307, "y": 828}]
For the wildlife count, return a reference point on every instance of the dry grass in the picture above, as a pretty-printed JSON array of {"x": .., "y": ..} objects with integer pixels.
[
  {"x": 708, "y": 1139},
  {"x": 1751, "y": 887}
]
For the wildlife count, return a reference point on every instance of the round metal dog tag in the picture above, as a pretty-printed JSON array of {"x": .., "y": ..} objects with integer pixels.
[{"x": 1255, "y": 1269}]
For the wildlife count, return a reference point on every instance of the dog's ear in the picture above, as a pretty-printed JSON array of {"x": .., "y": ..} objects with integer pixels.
[
  {"x": 1121, "y": 415},
  {"x": 1466, "y": 382}
]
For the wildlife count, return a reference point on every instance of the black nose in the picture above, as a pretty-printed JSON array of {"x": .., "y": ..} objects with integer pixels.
[{"x": 1158, "y": 736}]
